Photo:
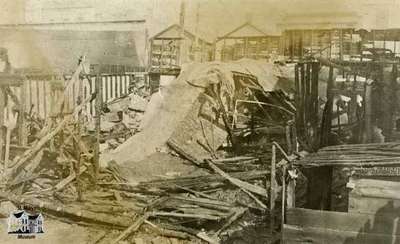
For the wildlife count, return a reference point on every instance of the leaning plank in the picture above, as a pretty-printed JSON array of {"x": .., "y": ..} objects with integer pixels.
[
  {"x": 183, "y": 215},
  {"x": 27, "y": 173},
  {"x": 341, "y": 221},
  {"x": 258, "y": 201},
  {"x": 35, "y": 149},
  {"x": 131, "y": 229},
  {"x": 196, "y": 193},
  {"x": 294, "y": 234},
  {"x": 234, "y": 159},
  {"x": 174, "y": 145},
  {"x": 238, "y": 214},
  {"x": 239, "y": 183},
  {"x": 69, "y": 179}
]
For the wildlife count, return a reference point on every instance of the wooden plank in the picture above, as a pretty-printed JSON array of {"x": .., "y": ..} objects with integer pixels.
[
  {"x": 375, "y": 188},
  {"x": 293, "y": 234},
  {"x": 371, "y": 205},
  {"x": 239, "y": 183},
  {"x": 341, "y": 221},
  {"x": 131, "y": 229}
]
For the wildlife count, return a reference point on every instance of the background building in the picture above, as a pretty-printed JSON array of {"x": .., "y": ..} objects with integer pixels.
[{"x": 247, "y": 41}]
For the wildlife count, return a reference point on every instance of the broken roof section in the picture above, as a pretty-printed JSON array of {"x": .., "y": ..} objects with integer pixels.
[
  {"x": 173, "y": 32},
  {"x": 246, "y": 30}
]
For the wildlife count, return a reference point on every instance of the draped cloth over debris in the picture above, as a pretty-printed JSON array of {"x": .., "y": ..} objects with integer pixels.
[{"x": 187, "y": 113}]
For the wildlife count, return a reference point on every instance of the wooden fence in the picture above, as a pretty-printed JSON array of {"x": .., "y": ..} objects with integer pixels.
[
  {"x": 40, "y": 93},
  {"x": 113, "y": 86}
]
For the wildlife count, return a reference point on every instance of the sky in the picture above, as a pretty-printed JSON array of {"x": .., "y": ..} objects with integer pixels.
[{"x": 216, "y": 17}]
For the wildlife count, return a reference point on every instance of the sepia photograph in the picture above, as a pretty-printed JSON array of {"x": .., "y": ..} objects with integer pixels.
[{"x": 200, "y": 121}]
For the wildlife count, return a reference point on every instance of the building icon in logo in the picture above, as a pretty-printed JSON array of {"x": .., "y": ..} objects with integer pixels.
[{"x": 21, "y": 222}]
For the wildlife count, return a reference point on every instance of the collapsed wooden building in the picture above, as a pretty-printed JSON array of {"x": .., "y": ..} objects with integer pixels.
[{"x": 317, "y": 162}]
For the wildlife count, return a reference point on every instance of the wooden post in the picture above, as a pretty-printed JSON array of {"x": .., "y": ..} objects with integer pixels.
[
  {"x": 2, "y": 133},
  {"x": 307, "y": 98},
  {"x": 393, "y": 100},
  {"x": 283, "y": 197},
  {"x": 297, "y": 97},
  {"x": 368, "y": 113},
  {"x": 314, "y": 105},
  {"x": 22, "y": 133},
  {"x": 78, "y": 161},
  {"x": 288, "y": 139},
  {"x": 327, "y": 115},
  {"x": 272, "y": 190},
  {"x": 303, "y": 93},
  {"x": 99, "y": 102},
  {"x": 38, "y": 105}
]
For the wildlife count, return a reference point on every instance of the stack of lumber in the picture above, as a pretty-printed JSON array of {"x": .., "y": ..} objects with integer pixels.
[
  {"x": 183, "y": 207},
  {"x": 198, "y": 183},
  {"x": 374, "y": 154}
]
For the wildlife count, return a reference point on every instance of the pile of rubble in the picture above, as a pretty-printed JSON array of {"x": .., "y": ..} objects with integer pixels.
[
  {"x": 121, "y": 119},
  {"x": 210, "y": 115}
]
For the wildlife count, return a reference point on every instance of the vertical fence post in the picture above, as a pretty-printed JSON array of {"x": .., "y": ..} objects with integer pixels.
[
  {"x": 2, "y": 134},
  {"x": 22, "y": 133},
  {"x": 99, "y": 101},
  {"x": 327, "y": 115}
]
